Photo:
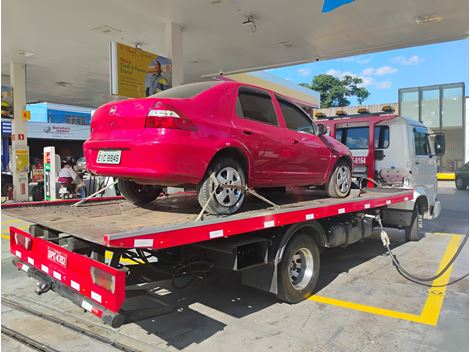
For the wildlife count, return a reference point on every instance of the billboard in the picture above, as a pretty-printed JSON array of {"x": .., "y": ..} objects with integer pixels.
[
  {"x": 60, "y": 131},
  {"x": 136, "y": 73}
]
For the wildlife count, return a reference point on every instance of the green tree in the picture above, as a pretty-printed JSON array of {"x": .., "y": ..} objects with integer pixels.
[{"x": 334, "y": 92}]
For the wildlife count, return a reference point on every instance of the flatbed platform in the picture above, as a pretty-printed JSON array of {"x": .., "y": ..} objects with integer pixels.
[{"x": 171, "y": 221}]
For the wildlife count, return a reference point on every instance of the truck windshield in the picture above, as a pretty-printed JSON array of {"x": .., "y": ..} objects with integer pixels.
[{"x": 358, "y": 137}]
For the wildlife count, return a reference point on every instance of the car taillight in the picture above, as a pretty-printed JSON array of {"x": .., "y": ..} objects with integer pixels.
[
  {"x": 23, "y": 241},
  {"x": 163, "y": 116},
  {"x": 103, "y": 279}
]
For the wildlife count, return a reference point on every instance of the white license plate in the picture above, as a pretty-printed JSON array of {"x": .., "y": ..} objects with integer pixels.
[{"x": 109, "y": 157}]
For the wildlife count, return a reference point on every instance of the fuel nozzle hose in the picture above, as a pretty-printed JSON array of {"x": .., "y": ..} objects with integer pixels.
[{"x": 417, "y": 279}]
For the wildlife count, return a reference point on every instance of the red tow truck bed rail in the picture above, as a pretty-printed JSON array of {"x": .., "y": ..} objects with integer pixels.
[{"x": 170, "y": 222}]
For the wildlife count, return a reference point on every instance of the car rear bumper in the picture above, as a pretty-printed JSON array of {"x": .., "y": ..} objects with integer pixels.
[{"x": 166, "y": 163}]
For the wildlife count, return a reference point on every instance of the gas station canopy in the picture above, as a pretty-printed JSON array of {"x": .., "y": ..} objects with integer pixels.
[{"x": 65, "y": 44}]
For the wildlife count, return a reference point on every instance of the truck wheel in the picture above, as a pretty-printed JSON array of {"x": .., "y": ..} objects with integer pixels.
[
  {"x": 137, "y": 193},
  {"x": 412, "y": 231},
  {"x": 299, "y": 269},
  {"x": 460, "y": 183},
  {"x": 339, "y": 184},
  {"x": 224, "y": 201}
]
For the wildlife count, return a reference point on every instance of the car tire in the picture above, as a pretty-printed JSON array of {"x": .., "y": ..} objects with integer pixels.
[
  {"x": 137, "y": 193},
  {"x": 227, "y": 171},
  {"x": 298, "y": 271},
  {"x": 412, "y": 231},
  {"x": 460, "y": 183},
  {"x": 340, "y": 181}
]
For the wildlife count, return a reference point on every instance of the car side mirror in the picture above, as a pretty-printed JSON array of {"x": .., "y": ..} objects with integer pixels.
[
  {"x": 321, "y": 129},
  {"x": 439, "y": 144}
]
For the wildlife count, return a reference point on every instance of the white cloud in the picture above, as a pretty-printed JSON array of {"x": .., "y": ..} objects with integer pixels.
[
  {"x": 356, "y": 59},
  {"x": 384, "y": 84},
  {"x": 366, "y": 81},
  {"x": 406, "y": 61},
  {"x": 384, "y": 70},
  {"x": 304, "y": 72}
]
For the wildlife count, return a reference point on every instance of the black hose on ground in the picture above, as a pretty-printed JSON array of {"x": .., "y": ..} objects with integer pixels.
[{"x": 421, "y": 280}]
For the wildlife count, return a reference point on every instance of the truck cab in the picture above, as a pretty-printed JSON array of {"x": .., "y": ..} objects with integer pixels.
[{"x": 394, "y": 152}]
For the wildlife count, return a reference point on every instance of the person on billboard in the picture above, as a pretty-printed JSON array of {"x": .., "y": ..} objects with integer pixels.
[{"x": 157, "y": 82}]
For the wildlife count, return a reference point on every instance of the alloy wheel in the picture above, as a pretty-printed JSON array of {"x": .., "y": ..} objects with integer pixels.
[
  {"x": 228, "y": 196},
  {"x": 343, "y": 177}
]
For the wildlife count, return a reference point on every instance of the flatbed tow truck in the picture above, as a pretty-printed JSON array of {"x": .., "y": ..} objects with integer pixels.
[{"x": 83, "y": 253}]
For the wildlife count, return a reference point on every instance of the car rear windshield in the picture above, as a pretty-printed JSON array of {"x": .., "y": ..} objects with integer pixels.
[{"x": 186, "y": 90}]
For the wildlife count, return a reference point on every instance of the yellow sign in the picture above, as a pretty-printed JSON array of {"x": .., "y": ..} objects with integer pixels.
[
  {"x": 22, "y": 160},
  {"x": 136, "y": 73},
  {"x": 26, "y": 115}
]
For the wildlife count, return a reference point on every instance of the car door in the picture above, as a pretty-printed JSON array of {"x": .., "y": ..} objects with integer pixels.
[
  {"x": 257, "y": 126},
  {"x": 423, "y": 165},
  {"x": 311, "y": 154}
]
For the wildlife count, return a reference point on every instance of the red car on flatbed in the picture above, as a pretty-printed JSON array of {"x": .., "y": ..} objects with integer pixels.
[{"x": 201, "y": 132}]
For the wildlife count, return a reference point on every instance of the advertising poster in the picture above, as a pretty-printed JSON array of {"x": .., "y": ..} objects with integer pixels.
[
  {"x": 22, "y": 159},
  {"x": 7, "y": 102},
  {"x": 136, "y": 73}
]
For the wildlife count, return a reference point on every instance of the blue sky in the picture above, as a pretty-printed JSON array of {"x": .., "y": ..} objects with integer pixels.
[{"x": 385, "y": 72}]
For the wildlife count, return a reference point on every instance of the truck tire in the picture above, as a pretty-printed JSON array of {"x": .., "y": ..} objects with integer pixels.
[
  {"x": 224, "y": 201},
  {"x": 137, "y": 193},
  {"x": 412, "y": 231},
  {"x": 339, "y": 184},
  {"x": 298, "y": 270},
  {"x": 460, "y": 183}
]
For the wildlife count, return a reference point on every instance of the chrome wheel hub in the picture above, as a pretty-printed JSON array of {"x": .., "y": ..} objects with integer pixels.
[
  {"x": 301, "y": 268},
  {"x": 228, "y": 196},
  {"x": 343, "y": 179}
]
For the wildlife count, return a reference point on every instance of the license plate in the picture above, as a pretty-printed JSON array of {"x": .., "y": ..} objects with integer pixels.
[
  {"x": 109, "y": 157},
  {"x": 57, "y": 257}
]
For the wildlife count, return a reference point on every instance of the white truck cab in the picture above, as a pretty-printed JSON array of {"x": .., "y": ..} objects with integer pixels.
[{"x": 395, "y": 152}]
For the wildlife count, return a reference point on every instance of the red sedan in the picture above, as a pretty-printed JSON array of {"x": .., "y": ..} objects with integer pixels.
[{"x": 197, "y": 133}]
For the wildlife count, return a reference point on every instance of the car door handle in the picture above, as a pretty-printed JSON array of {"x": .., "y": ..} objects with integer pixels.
[
  {"x": 417, "y": 162},
  {"x": 295, "y": 141},
  {"x": 248, "y": 133}
]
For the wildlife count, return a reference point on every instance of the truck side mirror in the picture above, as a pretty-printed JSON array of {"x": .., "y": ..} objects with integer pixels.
[
  {"x": 439, "y": 144},
  {"x": 321, "y": 129}
]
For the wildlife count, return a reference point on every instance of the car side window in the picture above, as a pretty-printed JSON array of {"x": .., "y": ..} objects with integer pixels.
[
  {"x": 256, "y": 104},
  {"x": 421, "y": 141},
  {"x": 294, "y": 117}
]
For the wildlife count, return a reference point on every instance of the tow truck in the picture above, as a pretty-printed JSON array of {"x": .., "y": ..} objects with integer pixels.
[{"x": 95, "y": 253}]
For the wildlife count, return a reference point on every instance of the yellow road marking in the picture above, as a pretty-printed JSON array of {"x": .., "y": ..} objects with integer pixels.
[{"x": 432, "y": 307}]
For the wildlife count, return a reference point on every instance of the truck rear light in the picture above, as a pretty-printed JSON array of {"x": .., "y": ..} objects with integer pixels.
[
  {"x": 103, "y": 279},
  {"x": 163, "y": 116},
  {"x": 23, "y": 241}
]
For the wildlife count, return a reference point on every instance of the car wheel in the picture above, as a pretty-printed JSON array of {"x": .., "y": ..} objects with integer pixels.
[
  {"x": 137, "y": 193},
  {"x": 223, "y": 201},
  {"x": 339, "y": 184},
  {"x": 460, "y": 183},
  {"x": 412, "y": 231},
  {"x": 299, "y": 269}
]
